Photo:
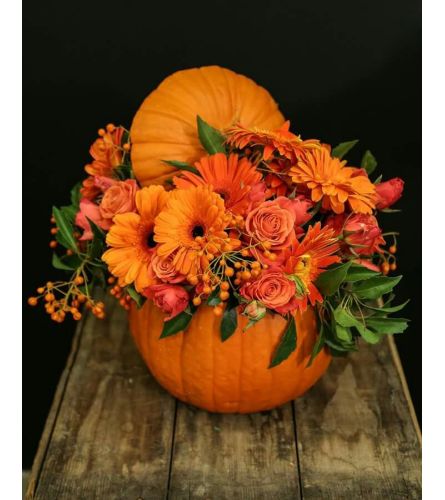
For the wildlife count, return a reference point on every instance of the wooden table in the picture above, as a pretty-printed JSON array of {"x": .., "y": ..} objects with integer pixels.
[{"x": 114, "y": 433}]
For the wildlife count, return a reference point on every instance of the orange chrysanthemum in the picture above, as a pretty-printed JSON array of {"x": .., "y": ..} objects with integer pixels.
[
  {"x": 335, "y": 184},
  {"x": 231, "y": 178},
  {"x": 192, "y": 227},
  {"x": 309, "y": 258},
  {"x": 131, "y": 240},
  {"x": 281, "y": 140}
]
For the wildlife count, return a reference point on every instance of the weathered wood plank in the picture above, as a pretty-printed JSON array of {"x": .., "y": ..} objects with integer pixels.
[
  {"x": 356, "y": 437},
  {"x": 234, "y": 456},
  {"x": 113, "y": 431}
]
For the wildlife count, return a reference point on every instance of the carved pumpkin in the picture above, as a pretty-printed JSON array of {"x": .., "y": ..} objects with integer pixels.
[
  {"x": 164, "y": 128},
  {"x": 231, "y": 376}
]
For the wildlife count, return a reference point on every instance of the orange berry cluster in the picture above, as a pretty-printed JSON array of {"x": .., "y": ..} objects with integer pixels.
[
  {"x": 119, "y": 292},
  {"x": 389, "y": 260},
  {"x": 70, "y": 301},
  {"x": 229, "y": 270}
]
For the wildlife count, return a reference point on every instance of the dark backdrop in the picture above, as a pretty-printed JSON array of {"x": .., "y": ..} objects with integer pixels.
[{"x": 340, "y": 70}]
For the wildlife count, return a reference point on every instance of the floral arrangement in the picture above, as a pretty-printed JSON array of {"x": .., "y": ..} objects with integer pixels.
[{"x": 264, "y": 223}]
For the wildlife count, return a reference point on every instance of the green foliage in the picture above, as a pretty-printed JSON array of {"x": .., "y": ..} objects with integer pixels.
[
  {"x": 229, "y": 321},
  {"x": 136, "y": 296},
  {"x": 179, "y": 323},
  {"x": 65, "y": 230},
  {"x": 373, "y": 288},
  {"x": 329, "y": 282},
  {"x": 287, "y": 345},
  {"x": 359, "y": 273},
  {"x": 124, "y": 172},
  {"x": 211, "y": 139},
  {"x": 343, "y": 148},
  {"x": 66, "y": 263},
  {"x": 181, "y": 165},
  {"x": 213, "y": 299},
  {"x": 357, "y": 309},
  {"x": 369, "y": 163}
]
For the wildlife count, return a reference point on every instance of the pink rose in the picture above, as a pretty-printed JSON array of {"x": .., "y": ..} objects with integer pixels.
[
  {"x": 164, "y": 269},
  {"x": 388, "y": 192},
  {"x": 361, "y": 232},
  {"x": 275, "y": 221},
  {"x": 171, "y": 299},
  {"x": 119, "y": 198},
  {"x": 89, "y": 210},
  {"x": 273, "y": 290}
]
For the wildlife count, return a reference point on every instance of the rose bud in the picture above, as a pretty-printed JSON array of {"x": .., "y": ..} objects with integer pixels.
[
  {"x": 361, "y": 233},
  {"x": 171, "y": 299},
  {"x": 254, "y": 310},
  {"x": 388, "y": 192}
]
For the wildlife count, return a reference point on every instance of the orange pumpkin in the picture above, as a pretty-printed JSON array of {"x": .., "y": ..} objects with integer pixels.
[
  {"x": 164, "y": 128},
  {"x": 231, "y": 376}
]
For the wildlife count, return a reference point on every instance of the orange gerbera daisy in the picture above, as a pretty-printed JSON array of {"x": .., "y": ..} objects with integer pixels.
[
  {"x": 307, "y": 259},
  {"x": 335, "y": 184},
  {"x": 230, "y": 177},
  {"x": 132, "y": 242},
  {"x": 192, "y": 226},
  {"x": 281, "y": 140}
]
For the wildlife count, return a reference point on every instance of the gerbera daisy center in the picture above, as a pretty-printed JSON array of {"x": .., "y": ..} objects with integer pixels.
[{"x": 197, "y": 230}]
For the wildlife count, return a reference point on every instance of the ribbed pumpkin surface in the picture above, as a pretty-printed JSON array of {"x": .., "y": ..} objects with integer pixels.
[
  {"x": 164, "y": 128},
  {"x": 231, "y": 376}
]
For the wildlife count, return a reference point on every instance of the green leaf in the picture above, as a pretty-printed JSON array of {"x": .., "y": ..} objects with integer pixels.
[
  {"x": 229, "y": 323},
  {"x": 343, "y": 334},
  {"x": 136, "y": 296},
  {"x": 359, "y": 273},
  {"x": 329, "y": 281},
  {"x": 374, "y": 288},
  {"x": 369, "y": 163},
  {"x": 177, "y": 324},
  {"x": 75, "y": 195},
  {"x": 387, "y": 325},
  {"x": 339, "y": 350},
  {"x": 182, "y": 166},
  {"x": 66, "y": 237},
  {"x": 342, "y": 148},
  {"x": 318, "y": 346},
  {"x": 287, "y": 345},
  {"x": 344, "y": 318},
  {"x": 379, "y": 179},
  {"x": 387, "y": 309},
  {"x": 367, "y": 335},
  {"x": 213, "y": 299},
  {"x": 97, "y": 245},
  {"x": 211, "y": 138},
  {"x": 58, "y": 263},
  {"x": 70, "y": 212},
  {"x": 124, "y": 172}
]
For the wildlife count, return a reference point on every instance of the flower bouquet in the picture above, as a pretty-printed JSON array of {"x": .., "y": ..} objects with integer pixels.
[{"x": 245, "y": 255}]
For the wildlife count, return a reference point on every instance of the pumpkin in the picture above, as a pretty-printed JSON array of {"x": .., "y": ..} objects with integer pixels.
[
  {"x": 232, "y": 376},
  {"x": 164, "y": 127}
]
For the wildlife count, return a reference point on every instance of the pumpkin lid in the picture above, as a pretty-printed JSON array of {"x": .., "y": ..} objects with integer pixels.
[{"x": 164, "y": 127}]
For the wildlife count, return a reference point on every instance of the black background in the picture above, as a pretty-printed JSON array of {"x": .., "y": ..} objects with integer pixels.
[{"x": 339, "y": 70}]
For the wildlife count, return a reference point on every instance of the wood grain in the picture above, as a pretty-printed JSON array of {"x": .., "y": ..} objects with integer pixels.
[
  {"x": 356, "y": 438},
  {"x": 234, "y": 456},
  {"x": 113, "y": 434}
]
